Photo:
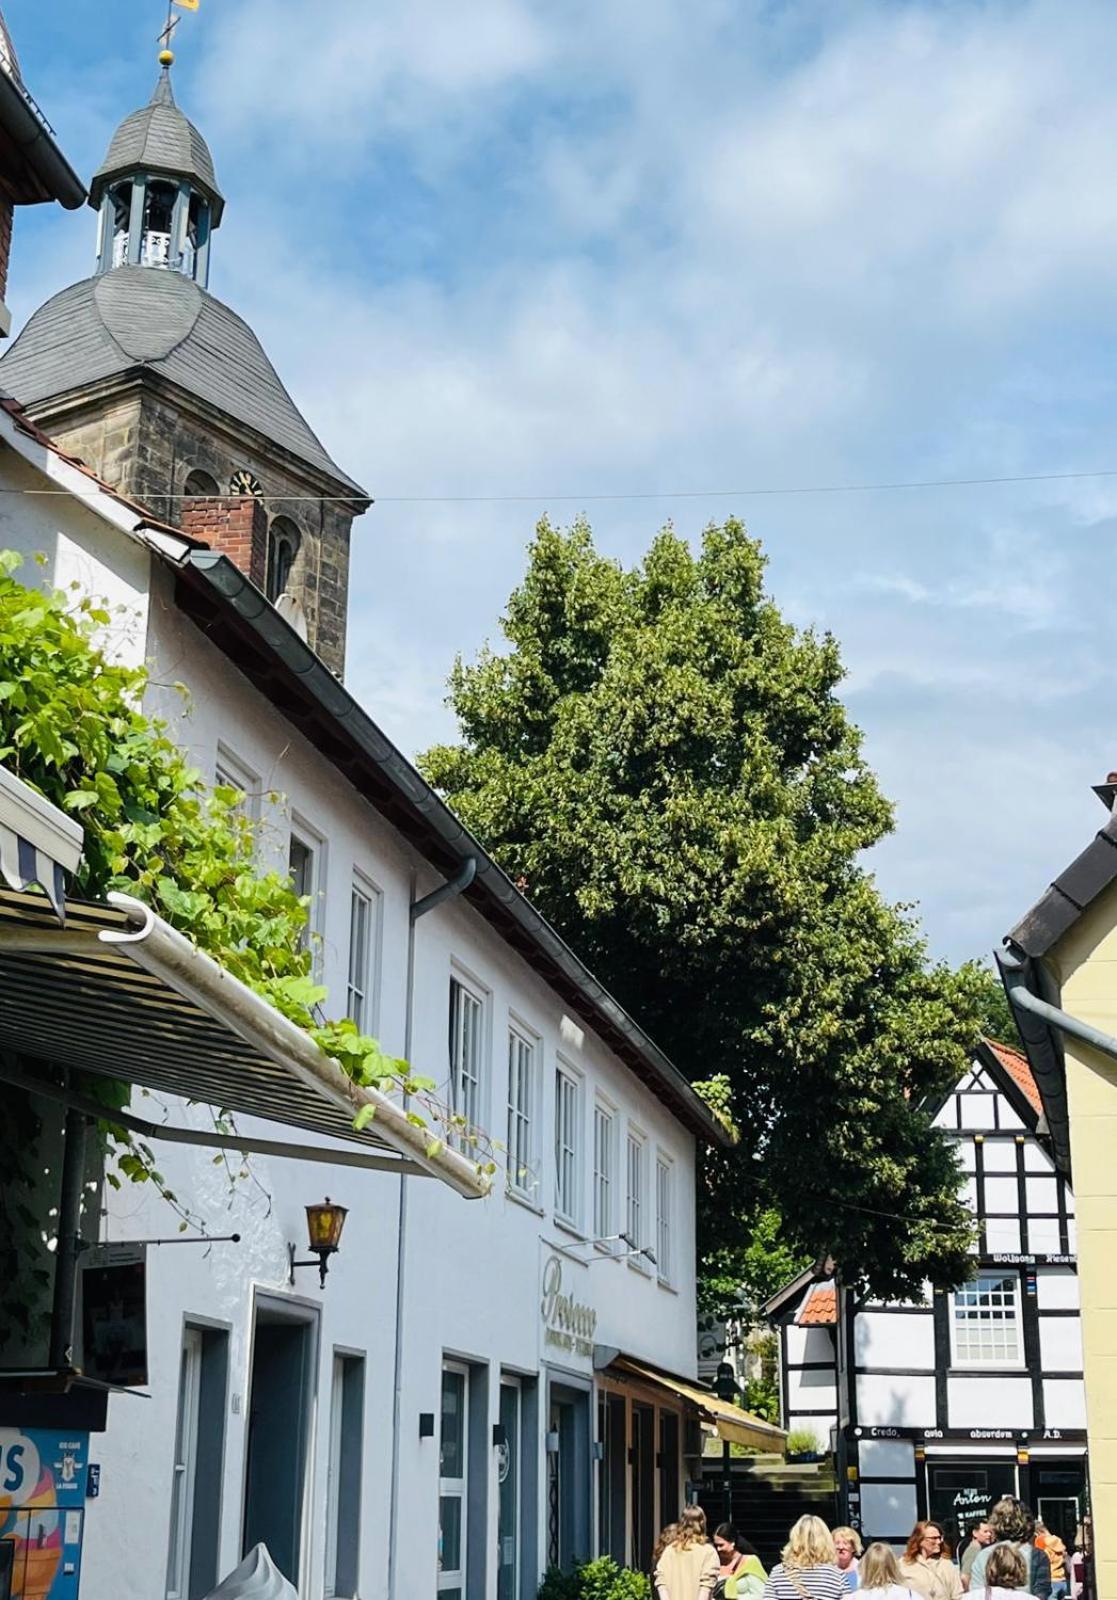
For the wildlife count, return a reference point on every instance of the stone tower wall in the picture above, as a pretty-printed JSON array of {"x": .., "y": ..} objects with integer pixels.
[{"x": 146, "y": 444}]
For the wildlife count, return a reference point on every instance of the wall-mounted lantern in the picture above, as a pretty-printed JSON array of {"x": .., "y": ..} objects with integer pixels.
[{"x": 324, "y": 1223}]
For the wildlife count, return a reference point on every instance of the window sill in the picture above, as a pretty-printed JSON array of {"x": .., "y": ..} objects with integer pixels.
[
  {"x": 569, "y": 1227},
  {"x": 608, "y": 1249},
  {"x": 519, "y": 1198},
  {"x": 640, "y": 1266},
  {"x": 667, "y": 1285}
]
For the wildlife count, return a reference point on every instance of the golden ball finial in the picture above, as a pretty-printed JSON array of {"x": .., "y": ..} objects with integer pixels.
[{"x": 166, "y": 58}]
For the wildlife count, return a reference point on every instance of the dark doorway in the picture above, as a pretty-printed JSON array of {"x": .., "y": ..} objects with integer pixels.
[
  {"x": 961, "y": 1493},
  {"x": 1059, "y": 1491},
  {"x": 569, "y": 1475},
  {"x": 283, "y": 1360},
  {"x": 643, "y": 1486}
]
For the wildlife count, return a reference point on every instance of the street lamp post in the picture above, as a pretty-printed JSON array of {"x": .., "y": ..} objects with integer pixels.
[{"x": 725, "y": 1387}]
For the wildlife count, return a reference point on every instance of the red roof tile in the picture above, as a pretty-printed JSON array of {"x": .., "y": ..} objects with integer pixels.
[
  {"x": 1016, "y": 1065},
  {"x": 820, "y": 1309}
]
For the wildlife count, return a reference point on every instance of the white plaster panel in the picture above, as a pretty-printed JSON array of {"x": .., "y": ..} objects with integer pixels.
[
  {"x": 1068, "y": 1201},
  {"x": 1072, "y": 1236},
  {"x": 1009, "y": 1119},
  {"x": 809, "y": 1391},
  {"x": 888, "y": 1510},
  {"x": 819, "y": 1426},
  {"x": 968, "y": 1193},
  {"x": 888, "y": 1401},
  {"x": 809, "y": 1344},
  {"x": 1002, "y": 1235},
  {"x": 1042, "y": 1194},
  {"x": 1000, "y": 1155},
  {"x": 977, "y": 1110},
  {"x": 1036, "y": 1158},
  {"x": 1064, "y": 1402},
  {"x": 881, "y": 1339},
  {"x": 1056, "y": 1289},
  {"x": 992, "y": 1402},
  {"x": 1043, "y": 1236},
  {"x": 886, "y": 1458},
  {"x": 1060, "y": 1344},
  {"x": 1001, "y": 1194},
  {"x": 967, "y": 1158}
]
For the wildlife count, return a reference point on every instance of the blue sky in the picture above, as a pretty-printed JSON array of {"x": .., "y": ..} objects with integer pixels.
[{"x": 598, "y": 247}]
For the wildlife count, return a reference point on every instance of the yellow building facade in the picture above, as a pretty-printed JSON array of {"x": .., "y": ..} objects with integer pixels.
[{"x": 1060, "y": 969}]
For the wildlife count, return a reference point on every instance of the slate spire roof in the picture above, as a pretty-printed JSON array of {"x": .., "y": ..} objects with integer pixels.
[
  {"x": 159, "y": 138},
  {"x": 149, "y": 318}
]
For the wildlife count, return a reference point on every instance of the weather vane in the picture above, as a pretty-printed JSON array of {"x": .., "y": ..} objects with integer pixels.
[{"x": 166, "y": 54}]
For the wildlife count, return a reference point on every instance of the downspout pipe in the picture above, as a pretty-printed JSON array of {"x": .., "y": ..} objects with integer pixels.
[
  {"x": 1063, "y": 1021},
  {"x": 454, "y": 886},
  {"x": 449, "y": 890}
]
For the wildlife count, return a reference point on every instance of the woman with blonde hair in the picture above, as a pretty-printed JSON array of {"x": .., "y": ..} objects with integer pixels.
[
  {"x": 847, "y": 1553},
  {"x": 808, "y": 1570},
  {"x": 687, "y": 1568},
  {"x": 1006, "y": 1573},
  {"x": 879, "y": 1576}
]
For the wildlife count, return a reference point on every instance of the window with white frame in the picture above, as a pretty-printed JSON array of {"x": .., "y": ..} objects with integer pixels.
[
  {"x": 522, "y": 1094},
  {"x": 306, "y": 861},
  {"x": 230, "y": 772},
  {"x": 453, "y": 1496},
  {"x": 634, "y": 1197},
  {"x": 986, "y": 1321},
  {"x": 467, "y": 1043},
  {"x": 567, "y": 1151},
  {"x": 604, "y": 1177},
  {"x": 364, "y": 928},
  {"x": 664, "y": 1197}
]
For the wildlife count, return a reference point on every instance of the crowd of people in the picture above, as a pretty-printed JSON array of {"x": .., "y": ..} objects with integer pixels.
[{"x": 1007, "y": 1557}]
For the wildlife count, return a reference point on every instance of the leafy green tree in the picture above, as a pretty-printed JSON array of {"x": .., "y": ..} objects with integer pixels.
[{"x": 662, "y": 760}]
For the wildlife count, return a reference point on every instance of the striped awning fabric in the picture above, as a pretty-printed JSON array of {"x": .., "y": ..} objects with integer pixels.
[
  {"x": 39, "y": 844},
  {"x": 23, "y": 866}
]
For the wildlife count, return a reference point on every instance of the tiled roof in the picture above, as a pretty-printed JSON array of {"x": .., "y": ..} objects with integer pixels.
[
  {"x": 1016, "y": 1065},
  {"x": 820, "y": 1308}
]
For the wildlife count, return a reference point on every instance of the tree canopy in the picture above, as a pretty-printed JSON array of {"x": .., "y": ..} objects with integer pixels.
[{"x": 663, "y": 762}]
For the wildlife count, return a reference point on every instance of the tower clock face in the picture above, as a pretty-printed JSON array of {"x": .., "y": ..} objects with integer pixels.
[{"x": 245, "y": 482}]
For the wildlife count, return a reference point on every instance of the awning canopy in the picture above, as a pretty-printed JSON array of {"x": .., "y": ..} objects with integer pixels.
[
  {"x": 39, "y": 844},
  {"x": 120, "y": 992},
  {"x": 728, "y": 1421}
]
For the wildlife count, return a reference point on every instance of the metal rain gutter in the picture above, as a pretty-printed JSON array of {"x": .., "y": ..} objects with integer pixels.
[
  {"x": 168, "y": 955},
  {"x": 29, "y": 130},
  {"x": 251, "y": 606}
]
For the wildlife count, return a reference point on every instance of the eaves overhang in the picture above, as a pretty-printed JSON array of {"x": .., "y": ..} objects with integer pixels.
[
  {"x": 236, "y": 617},
  {"x": 42, "y": 172}
]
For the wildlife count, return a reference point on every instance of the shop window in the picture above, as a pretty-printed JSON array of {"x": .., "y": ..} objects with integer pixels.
[
  {"x": 986, "y": 1322},
  {"x": 453, "y": 1502},
  {"x": 364, "y": 922},
  {"x": 604, "y": 1176},
  {"x": 467, "y": 1017},
  {"x": 612, "y": 1428},
  {"x": 522, "y": 1094},
  {"x": 664, "y": 1206},
  {"x": 567, "y": 1145},
  {"x": 343, "y": 1483}
]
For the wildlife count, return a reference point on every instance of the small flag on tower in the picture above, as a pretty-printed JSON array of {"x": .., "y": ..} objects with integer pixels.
[{"x": 187, "y": 5}]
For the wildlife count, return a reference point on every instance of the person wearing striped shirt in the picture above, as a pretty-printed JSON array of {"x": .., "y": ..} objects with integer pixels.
[{"x": 808, "y": 1569}]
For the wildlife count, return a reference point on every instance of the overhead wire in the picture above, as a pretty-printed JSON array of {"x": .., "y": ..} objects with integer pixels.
[{"x": 746, "y": 492}]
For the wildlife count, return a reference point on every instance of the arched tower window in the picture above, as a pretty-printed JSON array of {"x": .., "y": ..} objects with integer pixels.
[
  {"x": 200, "y": 483},
  {"x": 283, "y": 547}
]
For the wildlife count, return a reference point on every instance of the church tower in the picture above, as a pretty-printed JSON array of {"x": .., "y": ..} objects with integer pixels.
[{"x": 168, "y": 395}]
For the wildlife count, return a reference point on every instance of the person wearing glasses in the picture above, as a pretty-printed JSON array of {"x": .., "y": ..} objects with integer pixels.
[{"x": 926, "y": 1567}]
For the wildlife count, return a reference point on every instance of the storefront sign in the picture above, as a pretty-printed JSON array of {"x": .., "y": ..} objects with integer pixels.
[
  {"x": 567, "y": 1323},
  {"x": 114, "y": 1313},
  {"x": 969, "y": 1435},
  {"x": 1011, "y": 1260}
]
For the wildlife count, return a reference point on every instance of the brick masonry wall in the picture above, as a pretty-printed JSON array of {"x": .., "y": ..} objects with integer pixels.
[
  {"x": 146, "y": 446},
  {"x": 237, "y": 525}
]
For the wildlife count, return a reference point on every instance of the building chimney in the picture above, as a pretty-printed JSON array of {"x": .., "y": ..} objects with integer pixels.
[
  {"x": 237, "y": 525},
  {"x": 1107, "y": 791}
]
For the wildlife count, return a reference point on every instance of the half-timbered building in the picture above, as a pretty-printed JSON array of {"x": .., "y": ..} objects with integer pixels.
[{"x": 937, "y": 1409}]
